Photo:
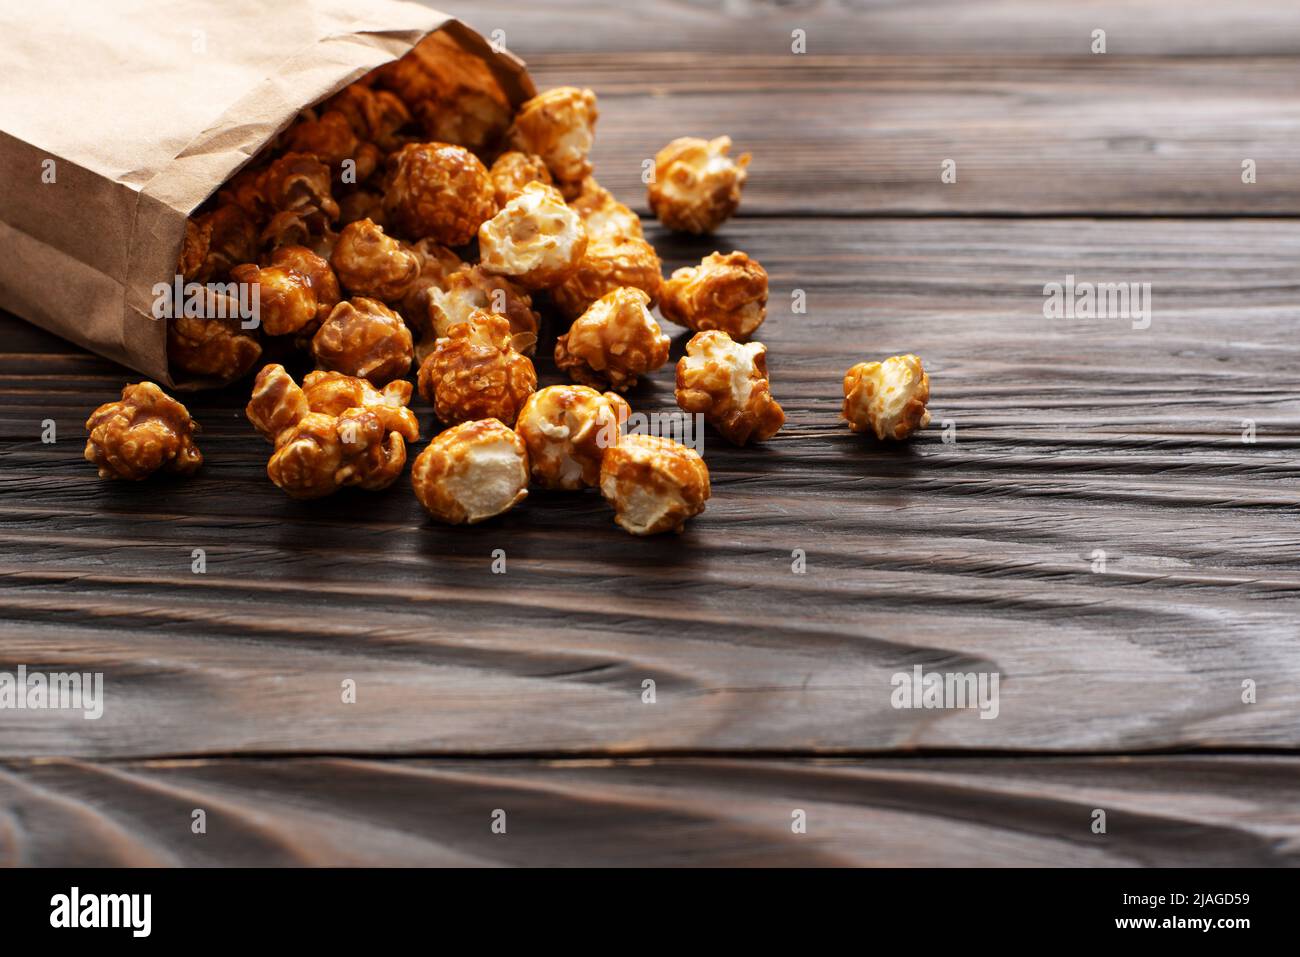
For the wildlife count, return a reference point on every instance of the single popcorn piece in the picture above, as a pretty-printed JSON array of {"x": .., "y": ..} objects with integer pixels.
[
  {"x": 723, "y": 292},
  {"x": 613, "y": 342},
  {"x": 475, "y": 373},
  {"x": 324, "y": 284},
  {"x": 437, "y": 264},
  {"x": 536, "y": 239},
  {"x": 333, "y": 393},
  {"x": 286, "y": 299},
  {"x": 470, "y": 290},
  {"x": 560, "y": 127},
  {"x": 299, "y": 182},
  {"x": 567, "y": 429},
  {"x": 697, "y": 185},
  {"x": 513, "y": 170},
  {"x": 370, "y": 263},
  {"x": 364, "y": 338},
  {"x": 215, "y": 242},
  {"x": 299, "y": 228},
  {"x": 887, "y": 398},
  {"x": 471, "y": 472},
  {"x": 654, "y": 483},
  {"x": 438, "y": 191},
  {"x": 726, "y": 382},
  {"x": 375, "y": 115},
  {"x": 211, "y": 348},
  {"x": 606, "y": 266},
  {"x": 362, "y": 204},
  {"x": 605, "y": 217},
  {"x": 144, "y": 431}
]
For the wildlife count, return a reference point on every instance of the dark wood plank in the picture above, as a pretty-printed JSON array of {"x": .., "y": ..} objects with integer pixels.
[
  {"x": 1160, "y": 811},
  {"x": 974, "y": 556}
]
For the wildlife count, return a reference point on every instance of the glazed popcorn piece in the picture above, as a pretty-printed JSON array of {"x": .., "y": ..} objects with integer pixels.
[
  {"x": 887, "y": 398},
  {"x": 471, "y": 472},
  {"x": 606, "y": 266},
  {"x": 727, "y": 383},
  {"x": 286, "y": 300},
  {"x": 370, "y": 263},
  {"x": 333, "y": 393},
  {"x": 723, "y": 292},
  {"x": 513, "y": 170},
  {"x": 605, "y": 217},
  {"x": 654, "y": 483},
  {"x": 301, "y": 183},
  {"x": 697, "y": 185},
  {"x": 475, "y": 373},
  {"x": 438, "y": 191},
  {"x": 142, "y": 432},
  {"x": 613, "y": 342},
  {"x": 536, "y": 239},
  {"x": 298, "y": 228},
  {"x": 324, "y": 284},
  {"x": 560, "y": 127},
  {"x": 437, "y": 265},
  {"x": 211, "y": 348},
  {"x": 362, "y": 204},
  {"x": 470, "y": 290},
  {"x": 374, "y": 115},
  {"x": 567, "y": 429},
  {"x": 215, "y": 242},
  {"x": 364, "y": 338}
]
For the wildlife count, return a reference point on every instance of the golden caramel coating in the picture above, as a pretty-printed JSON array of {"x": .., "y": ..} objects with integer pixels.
[
  {"x": 364, "y": 338},
  {"x": 211, "y": 348},
  {"x": 613, "y": 343},
  {"x": 605, "y": 217},
  {"x": 514, "y": 170},
  {"x": 471, "y": 472},
  {"x": 144, "y": 431},
  {"x": 300, "y": 182},
  {"x": 536, "y": 239},
  {"x": 333, "y": 393},
  {"x": 369, "y": 263},
  {"x": 374, "y": 115},
  {"x": 654, "y": 483},
  {"x": 437, "y": 265},
  {"x": 469, "y": 290},
  {"x": 605, "y": 267},
  {"x": 277, "y": 402},
  {"x": 567, "y": 429},
  {"x": 697, "y": 185},
  {"x": 560, "y": 127},
  {"x": 887, "y": 398},
  {"x": 438, "y": 191},
  {"x": 286, "y": 300},
  {"x": 475, "y": 373},
  {"x": 317, "y": 271},
  {"x": 726, "y": 382},
  {"x": 723, "y": 292},
  {"x": 215, "y": 242}
]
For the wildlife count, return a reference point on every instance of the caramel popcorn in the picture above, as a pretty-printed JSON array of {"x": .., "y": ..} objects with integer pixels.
[
  {"x": 887, "y": 398},
  {"x": 605, "y": 217},
  {"x": 372, "y": 264},
  {"x": 613, "y": 342},
  {"x": 317, "y": 271},
  {"x": 727, "y": 383},
  {"x": 215, "y": 242},
  {"x": 697, "y": 185},
  {"x": 536, "y": 239},
  {"x": 471, "y": 472},
  {"x": 211, "y": 348},
  {"x": 287, "y": 301},
  {"x": 144, "y": 431},
  {"x": 723, "y": 292},
  {"x": 468, "y": 117},
  {"x": 604, "y": 267},
  {"x": 654, "y": 483},
  {"x": 364, "y": 338},
  {"x": 363, "y": 204},
  {"x": 475, "y": 373},
  {"x": 329, "y": 137},
  {"x": 470, "y": 289},
  {"x": 317, "y": 453},
  {"x": 438, "y": 191},
  {"x": 333, "y": 393},
  {"x": 301, "y": 183},
  {"x": 559, "y": 126},
  {"x": 374, "y": 115},
  {"x": 567, "y": 429},
  {"x": 513, "y": 170}
]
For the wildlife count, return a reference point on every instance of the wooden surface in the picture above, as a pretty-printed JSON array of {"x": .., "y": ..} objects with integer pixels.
[{"x": 523, "y": 691}]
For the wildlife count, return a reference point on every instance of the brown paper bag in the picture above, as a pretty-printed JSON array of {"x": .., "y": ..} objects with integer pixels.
[{"x": 118, "y": 119}]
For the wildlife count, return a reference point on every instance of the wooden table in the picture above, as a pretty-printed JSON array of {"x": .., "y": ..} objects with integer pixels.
[{"x": 1085, "y": 517}]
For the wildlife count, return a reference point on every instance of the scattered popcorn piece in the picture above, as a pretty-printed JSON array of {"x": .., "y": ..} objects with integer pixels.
[
  {"x": 567, "y": 429},
  {"x": 437, "y": 265},
  {"x": 363, "y": 337},
  {"x": 324, "y": 284},
  {"x": 697, "y": 185},
  {"x": 211, "y": 348},
  {"x": 471, "y": 472},
  {"x": 613, "y": 342},
  {"x": 536, "y": 239},
  {"x": 723, "y": 292},
  {"x": 144, "y": 431},
  {"x": 286, "y": 300},
  {"x": 475, "y": 373},
  {"x": 333, "y": 393},
  {"x": 606, "y": 266},
  {"x": 438, "y": 191},
  {"x": 654, "y": 483},
  {"x": 605, "y": 217},
  {"x": 470, "y": 289},
  {"x": 299, "y": 182},
  {"x": 514, "y": 170},
  {"x": 887, "y": 398},
  {"x": 727, "y": 383},
  {"x": 560, "y": 127},
  {"x": 369, "y": 263},
  {"x": 215, "y": 242}
]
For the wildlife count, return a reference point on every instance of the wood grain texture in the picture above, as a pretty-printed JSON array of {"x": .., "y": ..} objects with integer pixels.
[
  {"x": 654, "y": 813},
  {"x": 1070, "y": 437}
]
